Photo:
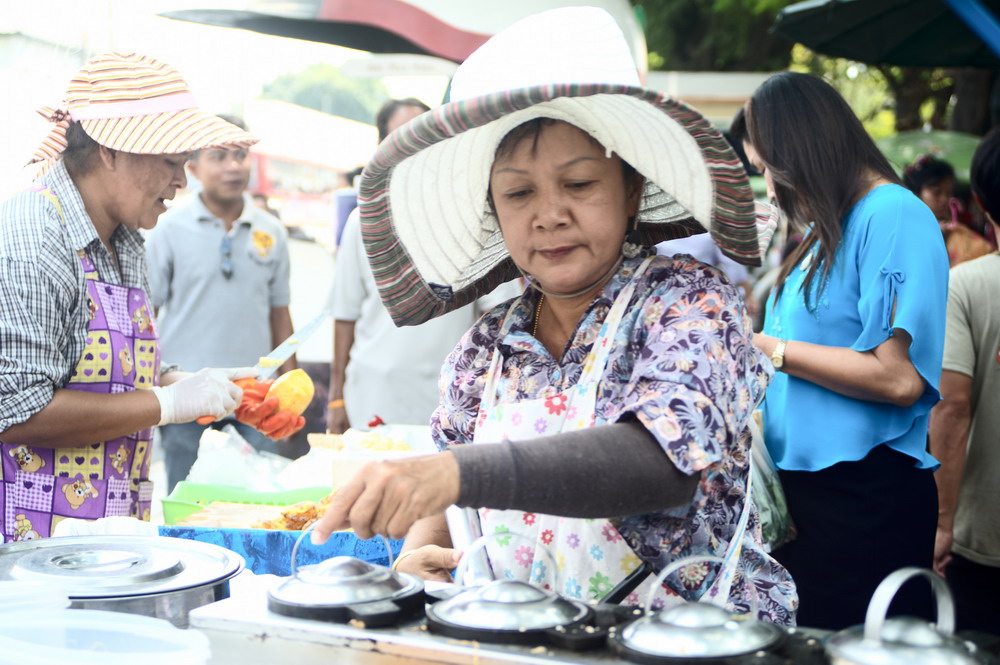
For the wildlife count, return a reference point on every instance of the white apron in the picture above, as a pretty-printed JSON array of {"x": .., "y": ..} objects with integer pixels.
[{"x": 591, "y": 555}]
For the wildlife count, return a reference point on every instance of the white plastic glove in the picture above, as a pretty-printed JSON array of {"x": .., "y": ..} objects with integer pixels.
[{"x": 207, "y": 392}]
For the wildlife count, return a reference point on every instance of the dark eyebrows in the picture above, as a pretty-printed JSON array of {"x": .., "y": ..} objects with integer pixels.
[{"x": 563, "y": 166}]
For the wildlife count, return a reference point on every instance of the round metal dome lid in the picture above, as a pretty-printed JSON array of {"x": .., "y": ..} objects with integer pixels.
[
  {"x": 342, "y": 581},
  {"x": 118, "y": 566},
  {"x": 508, "y": 605},
  {"x": 697, "y": 630},
  {"x": 904, "y": 640}
]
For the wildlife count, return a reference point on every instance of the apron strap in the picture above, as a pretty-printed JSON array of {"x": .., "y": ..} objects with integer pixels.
[
  {"x": 596, "y": 361},
  {"x": 719, "y": 591}
]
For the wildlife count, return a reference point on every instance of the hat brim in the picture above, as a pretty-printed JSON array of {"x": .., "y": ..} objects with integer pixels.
[
  {"x": 434, "y": 246},
  {"x": 173, "y": 132}
]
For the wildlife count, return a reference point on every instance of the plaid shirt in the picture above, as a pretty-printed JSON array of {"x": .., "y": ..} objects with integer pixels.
[{"x": 43, "y": 294}]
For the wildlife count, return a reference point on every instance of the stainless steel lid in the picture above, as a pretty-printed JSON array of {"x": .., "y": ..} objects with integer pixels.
[
  {"x": 903, "y": 640},
  {"x": 697, "y": 630},
  {"x": 118, "y": 566},
  {"x": 509, "y": 605},
  {"x": 344, "y": 580}
]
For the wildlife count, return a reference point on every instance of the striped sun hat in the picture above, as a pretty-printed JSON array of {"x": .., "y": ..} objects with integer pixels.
[
  {"x": 135, "y": 103},
  {"x": 432, "y": 242}
]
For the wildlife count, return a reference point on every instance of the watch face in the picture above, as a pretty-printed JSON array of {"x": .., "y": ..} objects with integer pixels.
[{"x": 778, "y": 356}]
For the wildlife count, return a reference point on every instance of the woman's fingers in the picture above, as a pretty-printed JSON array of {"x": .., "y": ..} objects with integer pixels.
[
  {"x": 388, "y": 497},
  {"x": 362, "y": 513},
  {"x": 293, "y": 426},
  {"x": 431, "y": 562},
  {"x": 335, "y": 517}
]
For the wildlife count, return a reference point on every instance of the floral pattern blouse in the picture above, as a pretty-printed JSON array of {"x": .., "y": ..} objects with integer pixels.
[{"x": 684, "y": 366}]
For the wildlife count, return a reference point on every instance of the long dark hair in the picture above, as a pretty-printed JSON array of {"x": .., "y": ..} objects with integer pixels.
[{"x": 820, "y": 158}]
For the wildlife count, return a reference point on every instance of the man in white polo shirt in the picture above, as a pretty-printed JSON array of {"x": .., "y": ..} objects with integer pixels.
[{"x": 218, "y": 269}]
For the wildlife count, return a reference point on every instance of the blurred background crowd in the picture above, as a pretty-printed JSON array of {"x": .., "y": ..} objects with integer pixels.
[{"x": 313, "y": 69}]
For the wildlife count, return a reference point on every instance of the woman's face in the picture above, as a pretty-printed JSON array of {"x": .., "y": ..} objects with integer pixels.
[
  {"x": 756, "y": 162},
  {"x": 937, "y": 196},
  {"x": 563, "y": 207},
  {"x": 144, "y": 183}
]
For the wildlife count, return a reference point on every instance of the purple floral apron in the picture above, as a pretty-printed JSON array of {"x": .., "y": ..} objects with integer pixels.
[
  {"x": 42, "y": 486},
  {"x": 591, "y": 557}
]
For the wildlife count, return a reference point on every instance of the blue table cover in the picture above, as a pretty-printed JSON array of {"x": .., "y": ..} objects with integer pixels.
[{"x": 270, "y": 552}]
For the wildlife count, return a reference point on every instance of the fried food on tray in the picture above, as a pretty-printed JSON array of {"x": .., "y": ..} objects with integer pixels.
[
  {"x": 379, "y": 442},
  {"x": 295, "y": 517},
  {"x": 334, "y": 442},
  {"x": 369, "y": 441}
]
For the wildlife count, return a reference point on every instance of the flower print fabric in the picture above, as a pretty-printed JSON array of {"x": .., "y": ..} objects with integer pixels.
[{"x": 683, "y": 364}]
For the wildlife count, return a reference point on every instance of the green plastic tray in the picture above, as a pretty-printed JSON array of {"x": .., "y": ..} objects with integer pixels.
[{"x": 188, "y": 498}]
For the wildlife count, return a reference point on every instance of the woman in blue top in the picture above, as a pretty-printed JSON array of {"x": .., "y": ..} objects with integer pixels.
[{"x": 855, "y": 328}]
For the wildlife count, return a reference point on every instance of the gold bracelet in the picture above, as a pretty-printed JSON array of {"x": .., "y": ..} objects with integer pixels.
[
  {"x": 336, "y": 404},
  {"x": 402, "y": 556}
]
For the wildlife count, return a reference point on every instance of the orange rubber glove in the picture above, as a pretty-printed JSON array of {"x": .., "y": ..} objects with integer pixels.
[
  {"x": 281, "y": 424},
  {"x": 252, "y": 409},
  {"x": 263, "y": 414}
]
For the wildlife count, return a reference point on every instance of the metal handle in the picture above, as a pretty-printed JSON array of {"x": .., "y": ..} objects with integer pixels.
[
  {"x": 465, "y": 528},
  {"x": 886, "y": 591},
  {"x": 308, "y": 528},
  {"x": 674, "y": 567},
  {"x": 481, "y": 542}
]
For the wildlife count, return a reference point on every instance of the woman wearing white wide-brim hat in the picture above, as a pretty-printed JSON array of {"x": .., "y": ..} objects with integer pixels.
[
  {"x": 81, "y": 385},
  {"x": 616, "y": 391}
]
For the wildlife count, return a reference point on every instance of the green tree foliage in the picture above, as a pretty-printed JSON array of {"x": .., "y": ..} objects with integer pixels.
[
  {"x": 713, "y": 35},
  {"x": 922, "y": 95},
  {"x": 887, "y": 98},
  {"x": 324, "y": 88}
]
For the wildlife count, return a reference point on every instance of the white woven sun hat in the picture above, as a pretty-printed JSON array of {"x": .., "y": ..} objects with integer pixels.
[{"x": 431, "y": 239}]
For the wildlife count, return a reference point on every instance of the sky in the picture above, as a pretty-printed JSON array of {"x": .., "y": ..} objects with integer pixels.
[{"x": 223, "y": 67}]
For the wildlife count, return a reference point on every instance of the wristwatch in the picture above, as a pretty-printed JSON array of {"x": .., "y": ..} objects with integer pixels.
[{"x": 778, "y": 355}]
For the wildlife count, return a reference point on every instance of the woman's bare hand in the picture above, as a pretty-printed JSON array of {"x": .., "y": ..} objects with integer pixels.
[
  {"x": 430, "y": 562},
  {"x": 388, "y": 497}
]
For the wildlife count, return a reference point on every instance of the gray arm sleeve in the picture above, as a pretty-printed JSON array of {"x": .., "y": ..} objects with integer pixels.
[{"x": 606, "y": 471}]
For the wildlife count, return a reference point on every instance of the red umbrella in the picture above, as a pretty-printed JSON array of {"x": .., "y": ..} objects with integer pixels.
[
  {"x": 449, "y": 29},
  {"x": 378, "y": 26}
]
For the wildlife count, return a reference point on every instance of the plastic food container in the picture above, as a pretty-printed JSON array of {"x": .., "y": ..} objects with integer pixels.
[
  {"x": 28, "y": 595},
  {"x": 188, "y": 498},
  {"x": 348, "y": 462},
  {"x": 85, "y": 637},
  {"x": 355, "y": 454}
]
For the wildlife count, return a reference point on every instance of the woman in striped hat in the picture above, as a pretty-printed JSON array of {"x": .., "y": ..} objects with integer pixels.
[
  {"x": 615, "y": 393},
  {"x": 81, "y": 385}
]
